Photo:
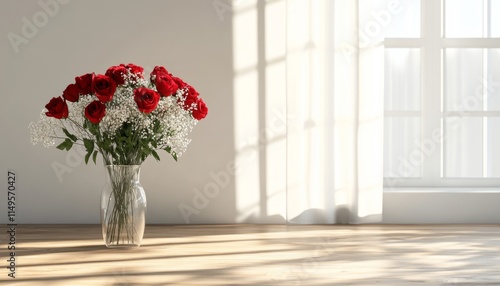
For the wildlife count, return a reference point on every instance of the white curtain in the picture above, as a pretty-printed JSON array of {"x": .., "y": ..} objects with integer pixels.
[{"x": 335, "y": 116}]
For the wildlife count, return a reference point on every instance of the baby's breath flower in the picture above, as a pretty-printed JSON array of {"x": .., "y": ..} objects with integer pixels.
[{"x": 45, "y": 130}]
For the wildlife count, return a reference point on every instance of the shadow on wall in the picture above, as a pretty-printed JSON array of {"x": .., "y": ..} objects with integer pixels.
[
  {"x": 260, "y": 117},
  {"x": 320, "y": 216},
  {"x": 244, "y": 150},
  {"x": 343, "y": 215}
]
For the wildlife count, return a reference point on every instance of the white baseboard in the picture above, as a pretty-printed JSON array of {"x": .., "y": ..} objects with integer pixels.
[{"x": 441, "y": 206}]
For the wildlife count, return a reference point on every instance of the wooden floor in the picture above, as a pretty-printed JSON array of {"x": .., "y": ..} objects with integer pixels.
[{"x": 259, "y": 255}]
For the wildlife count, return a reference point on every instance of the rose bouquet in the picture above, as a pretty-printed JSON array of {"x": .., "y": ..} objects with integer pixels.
[
  {"x": 125, "y": 117},
  {"x": 122, "y": 115}
]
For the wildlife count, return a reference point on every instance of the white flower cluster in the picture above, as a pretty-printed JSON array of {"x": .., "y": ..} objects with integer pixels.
[
  {"x": 175, "y": 121},
  {"x": 45, "y": 130}
]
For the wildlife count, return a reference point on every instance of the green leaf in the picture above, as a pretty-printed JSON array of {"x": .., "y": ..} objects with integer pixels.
[
  {"x": 115, "y": 156},
  {"x": 69, "y": 144},
  {"x": 87, "y": 157},
  {"x": 65, "y": 145},
  {"x": 155, "y": 155},
  {"x": 157, "y": 128},
  {"x": 168, "y": 149},
  {"x": 93, "y": 128},
  {"x": 62, "y": 146},
  {"x": 94, "y": 157},
  {"x": 69, "y": 135},
  {"x": 89, "y": 145}
]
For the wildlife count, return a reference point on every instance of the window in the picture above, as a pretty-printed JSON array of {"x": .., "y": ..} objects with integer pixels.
[{"x": 442, "y": 94}]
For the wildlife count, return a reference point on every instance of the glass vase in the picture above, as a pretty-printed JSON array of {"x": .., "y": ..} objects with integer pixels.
[{"x": 123, "y": 207}]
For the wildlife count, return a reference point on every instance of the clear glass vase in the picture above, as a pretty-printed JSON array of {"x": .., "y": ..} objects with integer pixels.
[{"x": 123, "y": 207}]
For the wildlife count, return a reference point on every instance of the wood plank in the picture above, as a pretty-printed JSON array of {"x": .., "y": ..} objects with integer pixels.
[{"x": 259, "y": 255}]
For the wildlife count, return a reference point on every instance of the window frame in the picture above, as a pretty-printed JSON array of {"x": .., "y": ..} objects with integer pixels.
[{"x": 432, "y": 44}]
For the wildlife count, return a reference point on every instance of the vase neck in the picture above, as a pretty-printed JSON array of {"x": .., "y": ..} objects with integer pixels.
[{"x": 127, "y": 172}]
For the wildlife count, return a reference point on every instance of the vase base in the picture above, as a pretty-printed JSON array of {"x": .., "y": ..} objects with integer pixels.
[{"x": 123, "y": 246}]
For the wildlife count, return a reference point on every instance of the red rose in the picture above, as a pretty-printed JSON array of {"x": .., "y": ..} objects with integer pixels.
[
  {"x": 135, "y": 69},
  {"x": 117, "y": 73},
  {"x": 71, "y": 93},
  {"x": 57, "y": 108},
  {"x": 188, "y": 102},
  {"x": 84, "y": 83},
  {"x": 165, "y": 85},
  {"x": 95, "y": 111},
  {"x": 191, "y": 92},
  {"x": 190, "y": 98},
  {"x": 180, "y": 83},
  {"x": 104, "y": 87},
  {"x": 201, "y": 110},
  {"x": 146, "y": 99},
  {"x": 158, "y": 70}
]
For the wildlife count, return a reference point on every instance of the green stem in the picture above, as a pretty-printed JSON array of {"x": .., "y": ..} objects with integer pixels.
[{"x": 120, "y": 226}]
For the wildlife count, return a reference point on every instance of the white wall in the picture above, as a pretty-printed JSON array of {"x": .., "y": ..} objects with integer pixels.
[
  {"x": 234, "y": 55},
  {"x": 192, "y": 39}
]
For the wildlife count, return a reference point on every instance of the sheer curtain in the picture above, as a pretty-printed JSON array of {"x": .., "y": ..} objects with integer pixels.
[{"x": 335, "y": 116}]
